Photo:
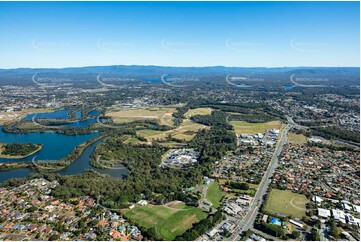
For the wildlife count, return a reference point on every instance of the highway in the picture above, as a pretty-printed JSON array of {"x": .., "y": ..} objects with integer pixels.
[{"x": 248, "y": 221}]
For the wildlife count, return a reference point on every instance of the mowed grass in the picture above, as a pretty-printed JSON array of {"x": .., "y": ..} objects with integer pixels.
[
  {"x": 214, "y": 194},
  {"x": 163, "y": 115},
  {"x": 297, "y": 138},
  {"x": 242, "y": 127},
  {"x": 198, "y": 111},
  {"x": 287, "y": 203},
  {"x": 169, "y": 221}
]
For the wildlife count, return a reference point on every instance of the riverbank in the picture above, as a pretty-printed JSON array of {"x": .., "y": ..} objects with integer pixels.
[{"x": 14, "y": 166}]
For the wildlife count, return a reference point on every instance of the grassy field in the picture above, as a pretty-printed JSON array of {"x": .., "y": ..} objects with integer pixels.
[
  {"x": 214, "y": 194},
  {"x": 187, "y": 130},
  {"x": 169, "y": 221},
  {"x": 242, "y": 127},
  {"x": 198, "y": 111},
  {"x": 162, "y": 114},
  {"x": 297, "y": 138},
  {"x": 287, "y": 203}
]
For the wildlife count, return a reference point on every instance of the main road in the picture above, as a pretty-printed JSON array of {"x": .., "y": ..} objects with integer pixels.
[{"x": 248, "y": 221}]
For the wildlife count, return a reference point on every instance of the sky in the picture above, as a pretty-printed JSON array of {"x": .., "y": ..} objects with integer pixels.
[{"x": 240, "y": 34}]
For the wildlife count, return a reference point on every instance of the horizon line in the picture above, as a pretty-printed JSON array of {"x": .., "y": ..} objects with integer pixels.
[{"x": 266, "y": 67}]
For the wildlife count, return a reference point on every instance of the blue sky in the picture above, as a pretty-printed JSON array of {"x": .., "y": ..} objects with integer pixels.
[{"x": 245, "y": 34}]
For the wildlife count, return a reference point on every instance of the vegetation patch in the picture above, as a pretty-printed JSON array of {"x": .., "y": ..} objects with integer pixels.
[
  {"x": 169, "y": 221},
  {"x": 16, "y": 151},
  {"x": 287, "y": 203}
]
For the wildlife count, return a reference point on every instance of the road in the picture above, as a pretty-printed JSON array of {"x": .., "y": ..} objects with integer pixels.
[{"x": 248, "y": 221}]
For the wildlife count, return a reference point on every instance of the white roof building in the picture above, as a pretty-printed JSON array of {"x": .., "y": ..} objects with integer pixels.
[
  {"x": 212, "y": 232},
  {"x": 357, "y": 208},
  {"x": 317, "y": 199},
  {"x": 256, "y": 238},
  {"x": 296, "y": 223},
  {"x": 338, "y": 215},
  {"x": 347, "y": 207},
  {"x": 143, "y": 202},
  {"x": 324, "y": 213}
]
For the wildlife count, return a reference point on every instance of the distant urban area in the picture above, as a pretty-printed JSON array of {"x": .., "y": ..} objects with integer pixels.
[{"x": 149, "y": 160}]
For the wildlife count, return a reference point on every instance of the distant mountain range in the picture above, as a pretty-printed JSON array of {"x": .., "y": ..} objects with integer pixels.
[
  {"x": 136, "y": 69},
  {"x": 342, "y": 75}
]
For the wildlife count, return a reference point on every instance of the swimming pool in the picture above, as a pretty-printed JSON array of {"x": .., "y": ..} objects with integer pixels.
[{"x": 276, "y": 221}]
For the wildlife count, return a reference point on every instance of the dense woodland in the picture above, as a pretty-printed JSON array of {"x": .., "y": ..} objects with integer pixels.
[{"x": 18, "y": 149}]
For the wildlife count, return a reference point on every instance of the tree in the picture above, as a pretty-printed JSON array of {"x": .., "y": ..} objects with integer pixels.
[
  {"x": 54, "y": 237},
  {"x": 334, "y": 230},
  {"x": 314, "y": 236},
  {"x": 295, "y": 234}
]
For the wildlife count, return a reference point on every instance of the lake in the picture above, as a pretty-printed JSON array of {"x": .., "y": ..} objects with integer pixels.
[
  {"x": 64, "y": 114},
  {"x": 58, "y": 114},
  {"x": 78, "y": 166},
  {"x": 288, "y": 87},
  {"x": 55, "y": 146},
  {"x": 94, "y": 113}
]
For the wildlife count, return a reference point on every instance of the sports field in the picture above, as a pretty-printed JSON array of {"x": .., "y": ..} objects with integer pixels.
[
  {"x": 162, "y": 114},
  {"x": 214, "y": 194},
  {"x": 242, "y": 127},
  {"x": 169, "y": 220},
  {"x": 297, "y": 138},
  {"x": 287, "y": 203}
]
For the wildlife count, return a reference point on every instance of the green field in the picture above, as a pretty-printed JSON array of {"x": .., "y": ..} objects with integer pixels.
[
  {"x": 287, "y": 203},
  {"x": 169, "y": 220},
  {"x": 242, "y": 127},
  {"x": 297, "y": 138},
  {"x": 214, "y": 194},
  {"x": 198, "y": 111}
]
